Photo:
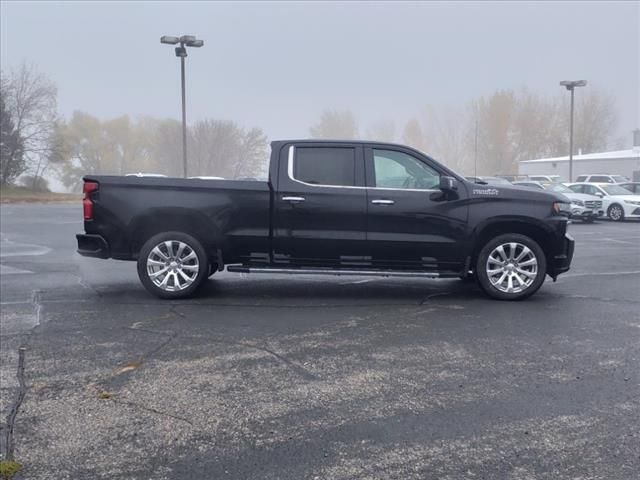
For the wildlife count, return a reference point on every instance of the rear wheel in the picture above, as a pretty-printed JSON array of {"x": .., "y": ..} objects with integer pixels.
[
  {"x": 172, "y": 265},
  {"x": 511, "y": 267},
  {"x": 616, "y": 213}
]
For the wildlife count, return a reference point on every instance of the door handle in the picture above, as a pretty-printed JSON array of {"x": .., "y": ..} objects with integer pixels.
[
  {"x": 293, "y": 199},
  {"x": 382, "y": 202}
]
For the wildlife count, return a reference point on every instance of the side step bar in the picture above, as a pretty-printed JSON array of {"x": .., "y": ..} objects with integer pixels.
[{"x": 329, "y": 271}]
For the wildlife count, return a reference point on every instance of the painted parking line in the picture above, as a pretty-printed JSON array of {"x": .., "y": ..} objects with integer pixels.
[
  {"x": 9, "y": 248},
  {"x": 7, "y": 270}
]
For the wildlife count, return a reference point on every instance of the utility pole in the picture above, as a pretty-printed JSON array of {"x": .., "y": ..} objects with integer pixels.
[
  {"x": 181, "y": 51},
  {"x": 571, "y": 85}
]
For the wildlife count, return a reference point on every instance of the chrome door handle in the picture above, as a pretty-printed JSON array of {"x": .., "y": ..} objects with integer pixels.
[
  {"x": 293, "y": 199},
  {"x": 382, "y": 202}
]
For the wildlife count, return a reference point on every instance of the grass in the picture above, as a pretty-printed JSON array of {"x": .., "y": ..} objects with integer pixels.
[
  {"x": 8, "y": 468},
  {"x": 13, "y": 194}
]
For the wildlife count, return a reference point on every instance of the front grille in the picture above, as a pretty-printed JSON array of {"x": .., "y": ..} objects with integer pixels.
[{"x": 593, "y": 204}]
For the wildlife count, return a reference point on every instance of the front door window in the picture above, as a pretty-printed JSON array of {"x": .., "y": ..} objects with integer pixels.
[{"x": 399, "y": 170}]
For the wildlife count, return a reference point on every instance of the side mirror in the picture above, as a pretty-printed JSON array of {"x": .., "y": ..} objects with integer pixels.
[
  {"x": 448, "y": 184},
  {"x": 599, "y": 194}
]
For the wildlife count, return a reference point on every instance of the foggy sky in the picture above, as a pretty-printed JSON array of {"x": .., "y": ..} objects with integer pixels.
[{"x": 278, "y": 65}]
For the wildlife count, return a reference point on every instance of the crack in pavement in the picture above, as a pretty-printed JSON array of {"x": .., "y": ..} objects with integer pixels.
[
  {"x": 15, "y": 407},
  {"x": 433, "y": 295},
  {"x": 303, "y": 372},
  {"x": 151, "y": 410}
]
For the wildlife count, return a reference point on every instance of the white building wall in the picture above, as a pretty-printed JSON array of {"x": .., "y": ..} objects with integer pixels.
[{"x": 616, "y": 166}]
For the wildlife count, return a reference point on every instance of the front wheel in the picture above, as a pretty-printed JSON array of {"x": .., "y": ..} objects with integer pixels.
[
  {"x": 511, "y": 267},
  {"x": 172, "y": 265},
  {"x": 616, "y": 213}
]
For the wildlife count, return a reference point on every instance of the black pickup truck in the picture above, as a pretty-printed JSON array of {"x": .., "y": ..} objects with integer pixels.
[{"x": 330, "y": 207}]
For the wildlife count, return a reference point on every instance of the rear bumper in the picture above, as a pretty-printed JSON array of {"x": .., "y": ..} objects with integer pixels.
[
  {"x": 92, "y": 246},
  {"x": 561, "y": 261}
]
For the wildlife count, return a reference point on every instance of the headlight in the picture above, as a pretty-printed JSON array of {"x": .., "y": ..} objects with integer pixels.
[
  {"x": 632, "y": 202},
  {"x": 579, "y": 203},
  {"x": 561, "y": 208}
]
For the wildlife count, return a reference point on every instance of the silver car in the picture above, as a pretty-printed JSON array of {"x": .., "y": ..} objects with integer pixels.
[{"x": 583, "y": 206}]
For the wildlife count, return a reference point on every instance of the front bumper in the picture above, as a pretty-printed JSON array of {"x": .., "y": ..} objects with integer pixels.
[
  {"x": 582, "y": 212},
  {"x": 561, "y": 261},
  {"x": 634, "y": 211},
  {"x": 92, "y": 246}
]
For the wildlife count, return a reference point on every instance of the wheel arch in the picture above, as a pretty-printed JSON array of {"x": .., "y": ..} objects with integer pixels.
[
  {"x": 178, "y": 219},
  {"x": 532, "y": 228}
]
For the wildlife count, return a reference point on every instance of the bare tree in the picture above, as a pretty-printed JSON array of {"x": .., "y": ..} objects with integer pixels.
[
  {"x": 447, "y": 131},
  {"x": 382, "y": 131},
  {"x": 414, "y": 136},
  {"x": 222, "y": 148},
  {"x": 335, "y": 124},
  {"x": 30, "y": 100}
]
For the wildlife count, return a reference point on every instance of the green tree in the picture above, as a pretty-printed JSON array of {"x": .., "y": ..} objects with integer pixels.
[{"x": 12, "y": 162}]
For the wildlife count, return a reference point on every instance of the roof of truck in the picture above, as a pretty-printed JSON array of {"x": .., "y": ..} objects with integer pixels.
[{"x": 342, "y": 140}]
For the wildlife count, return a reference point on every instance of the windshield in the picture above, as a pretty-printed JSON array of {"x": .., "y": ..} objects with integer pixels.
[
  {"x": 616, "y": 190},
  {"x": 619, "y": 178},
  {"x": 558, "y": 188}
]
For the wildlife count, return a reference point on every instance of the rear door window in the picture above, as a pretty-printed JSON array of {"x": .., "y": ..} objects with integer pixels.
[
  {"x": 325, "y": 166},
  {"x": 600, "y": 179}
]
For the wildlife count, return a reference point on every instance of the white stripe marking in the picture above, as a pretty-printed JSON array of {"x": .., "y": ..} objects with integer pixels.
[
  {"x": 7, "y": 270},
  {"x": 633, "y": 272}
]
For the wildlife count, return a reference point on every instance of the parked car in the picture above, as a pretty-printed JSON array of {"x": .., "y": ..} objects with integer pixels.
[
  {"x": 633, "y": 187},
  {"x": 489, "y": 180},
  {"x": 601, "y": 178},
  {"x": 545, "y": 178},
  {"x": 330, "y": 207},
  {"x": 513, "y": 178},
  {"x": 617, "y": 201},
  {"x": 583, "y": 206}
]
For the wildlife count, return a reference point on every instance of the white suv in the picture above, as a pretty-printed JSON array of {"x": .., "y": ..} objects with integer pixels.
[{"x": 601, "y": 178}]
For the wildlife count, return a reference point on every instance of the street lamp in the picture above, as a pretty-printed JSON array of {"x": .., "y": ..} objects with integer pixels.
[
  {"x": 181, "y": 51},
  {"x": 571, "y": 85}
]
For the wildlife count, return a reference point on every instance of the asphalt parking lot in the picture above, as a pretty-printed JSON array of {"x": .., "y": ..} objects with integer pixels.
[{"x": 282, "y": 377}]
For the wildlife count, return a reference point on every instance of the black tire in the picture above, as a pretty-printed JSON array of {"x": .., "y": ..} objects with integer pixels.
[
  {"x": 192, "y": 245},
  {"x": 519, "y": 292},
  {"x": 616, "y": 212}
]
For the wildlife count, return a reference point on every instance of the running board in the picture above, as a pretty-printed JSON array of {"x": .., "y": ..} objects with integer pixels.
[{"x": 329, "y": 271}]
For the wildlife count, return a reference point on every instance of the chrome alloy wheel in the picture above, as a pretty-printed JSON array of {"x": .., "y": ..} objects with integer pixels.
[
  {"x": 172, "y": 265},
  {"x": 512, "y": 267},
  {"x": 615, "y": 212}
]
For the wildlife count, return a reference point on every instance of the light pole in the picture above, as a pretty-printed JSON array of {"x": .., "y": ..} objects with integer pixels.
[
  {"x": 571, "y": 85},
  {"x": 181, "y": 51}
]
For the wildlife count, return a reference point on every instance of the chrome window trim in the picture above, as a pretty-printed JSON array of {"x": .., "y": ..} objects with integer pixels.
[{"x": 291, "y": 158}]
